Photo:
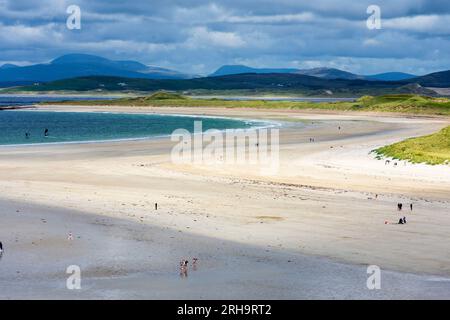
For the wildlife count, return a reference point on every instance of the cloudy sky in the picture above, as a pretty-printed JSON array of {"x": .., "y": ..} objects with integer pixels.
[{"x": 198, "y": 36}]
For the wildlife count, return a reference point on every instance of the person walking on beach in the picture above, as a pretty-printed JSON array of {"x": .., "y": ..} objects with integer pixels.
[
  {"x": 411, "y": 206},
  {"x": 156, "y": 205},
  {"x": 183, "y": 268},
  {"x": 1, "y": 248}
]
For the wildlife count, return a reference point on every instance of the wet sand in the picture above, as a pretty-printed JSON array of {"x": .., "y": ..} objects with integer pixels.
[
  {"x": 310, "y": 231},
  {"x": 122, "y": 259}
]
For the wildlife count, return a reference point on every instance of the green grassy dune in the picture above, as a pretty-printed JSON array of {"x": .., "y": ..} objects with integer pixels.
[
  {"x": 431, "y": 149},
  {"x": 403, "y": 103}
]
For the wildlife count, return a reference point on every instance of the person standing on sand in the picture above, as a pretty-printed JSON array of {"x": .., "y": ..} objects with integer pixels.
[
  {"x": 1, "y": 248},
  {"x": 411, "y": 206},
  {"x": 183, "y": 268},
  {"x": 156, "y": 205}
]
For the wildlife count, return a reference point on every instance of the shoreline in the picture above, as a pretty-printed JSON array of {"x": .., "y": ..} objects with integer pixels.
[{"x": 256, "y": 125}]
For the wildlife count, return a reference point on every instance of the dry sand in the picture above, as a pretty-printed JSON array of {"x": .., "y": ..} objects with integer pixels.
[{"x": 310, "y": 231}]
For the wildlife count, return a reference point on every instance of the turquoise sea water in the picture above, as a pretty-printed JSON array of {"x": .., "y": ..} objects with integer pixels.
[
  {"x": 84, "y": 126},
  {"x": 9, "y": 100}
]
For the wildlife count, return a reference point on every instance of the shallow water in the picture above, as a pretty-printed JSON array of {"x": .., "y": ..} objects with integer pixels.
[
  {"x": 23, "y": 100},
  {"x": 89, "y": 126}
]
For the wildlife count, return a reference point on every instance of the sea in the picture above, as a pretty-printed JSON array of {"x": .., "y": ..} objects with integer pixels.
[{"x": 28, "y": 126}]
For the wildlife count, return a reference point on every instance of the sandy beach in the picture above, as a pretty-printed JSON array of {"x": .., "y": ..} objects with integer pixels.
[{"x": 307, "y": 232}]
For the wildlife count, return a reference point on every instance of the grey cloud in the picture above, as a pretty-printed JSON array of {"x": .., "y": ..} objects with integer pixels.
[{"x": 198, "y": 36}]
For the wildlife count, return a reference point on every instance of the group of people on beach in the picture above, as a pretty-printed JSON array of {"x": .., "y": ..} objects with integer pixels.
[
  {"x": 395, "y": 163},
  {"x": 184, "y": 266},
  {"x": 399, "y": 208},
  {"x": 28, "y": 135},
  {"x": 402, "y": 220},
  {"x": 314, "y": 140},
  {"x": 389, "y": 161}
]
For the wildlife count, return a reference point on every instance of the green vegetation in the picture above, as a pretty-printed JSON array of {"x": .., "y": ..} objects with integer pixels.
[
  {"x": 256, "y": 83},
  {"x": 432, "y": 149},
  {"x": 404, "y": 103},
  {"x": 412, "y": 104},
  {"x": 161, "y": 96}
]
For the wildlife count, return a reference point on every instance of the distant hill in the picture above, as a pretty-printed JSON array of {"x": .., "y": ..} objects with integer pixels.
[
  {"x": 79, "y": 65},
  {"x": 8, "y": 66},
  {"x": 240, "y": 69},
  {"x": 15, "y": 84},
  {"x": 329, "y": 73},
  {"x": 391, "y": 76},
  {"x": 96, "y": 60},
  {"x": 437, "y": 79},
  {"x": 326, "y": 73},
  {"x": 274, "y": 82}
]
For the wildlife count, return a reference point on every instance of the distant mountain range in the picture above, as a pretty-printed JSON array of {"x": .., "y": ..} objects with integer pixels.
[
  {"x": 79, "y": 65},
  {"x": 327, "y": 73},
  {"x": 82, "y": 65},
  {"x": 81, "y": 72}
]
